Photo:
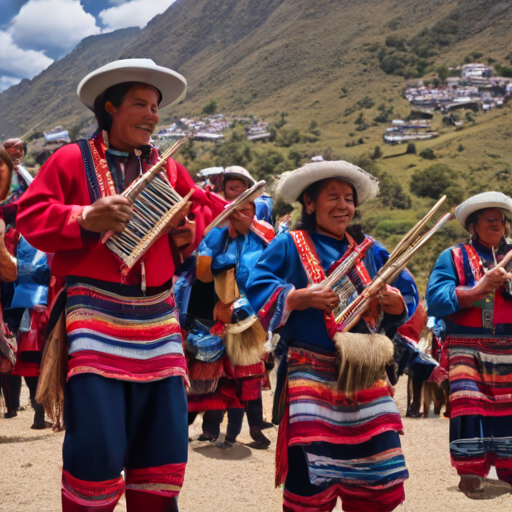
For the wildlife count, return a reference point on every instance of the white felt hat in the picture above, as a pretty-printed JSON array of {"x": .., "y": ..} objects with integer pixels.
[
  {"x": 291, "y": 184},
  {"x": 238, "y": 171},
  {"x": 483, "y": 201},
  {"x": 171, "y": 85}
]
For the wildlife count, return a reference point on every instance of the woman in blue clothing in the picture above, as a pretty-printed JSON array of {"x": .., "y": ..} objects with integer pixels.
[
  {"x": 469, "y": 293},
  {"x": 330, "y": 444},
  {"x": 226, "y": 348}
]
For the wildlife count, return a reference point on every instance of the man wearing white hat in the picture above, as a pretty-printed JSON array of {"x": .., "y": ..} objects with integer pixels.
[
  {"x": 469, "y": 293},
  {"x": 125, "y": 403},
  {"x": 235, "y": 181}
]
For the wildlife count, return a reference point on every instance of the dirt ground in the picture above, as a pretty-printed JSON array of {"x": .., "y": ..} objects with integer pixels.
[{"x": 241, "y": 481}]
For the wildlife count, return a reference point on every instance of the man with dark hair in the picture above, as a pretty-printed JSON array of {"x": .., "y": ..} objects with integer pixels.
[{"x": 125, "y": 403}]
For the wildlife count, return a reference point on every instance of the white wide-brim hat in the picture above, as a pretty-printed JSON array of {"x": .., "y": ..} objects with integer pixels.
[
  {"x": 238, "y": 171},
  {"x": 171, "y": 85},
  {"x": 481, "y": 202},
  {"x": 293, "y": 183}
]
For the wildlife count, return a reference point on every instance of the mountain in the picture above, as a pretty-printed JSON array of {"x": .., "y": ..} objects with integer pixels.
[
  {"x": 268, "y": 56},
  {"x": 50, "y": 98},
  {"x": 332, "y": 71}
]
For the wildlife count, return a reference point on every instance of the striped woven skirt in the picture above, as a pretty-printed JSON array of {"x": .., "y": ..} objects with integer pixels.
[
  {"x": 480, "y": 375},
  {"x": 123, "y": 337},
  {"x": 350, "y": 441}
]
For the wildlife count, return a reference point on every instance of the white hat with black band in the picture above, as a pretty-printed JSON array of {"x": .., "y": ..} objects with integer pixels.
[
  {"x": 293, "y": 183},
  {"x": 171, "y": 85},
  {"x": 483, "y": 201}
]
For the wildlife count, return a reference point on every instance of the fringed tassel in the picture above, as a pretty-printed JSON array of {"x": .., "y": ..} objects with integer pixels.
[
  {"x": 246, "y": 347},
  {"x": 54, "y": 364},
  {"x": 363, "y": 359}
]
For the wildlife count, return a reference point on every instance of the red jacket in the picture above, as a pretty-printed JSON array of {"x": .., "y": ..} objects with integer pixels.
[{"x": 48, "y": 212}]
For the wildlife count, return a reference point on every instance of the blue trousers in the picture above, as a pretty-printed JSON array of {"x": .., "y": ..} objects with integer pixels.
[{"x": 113, "y": 425}]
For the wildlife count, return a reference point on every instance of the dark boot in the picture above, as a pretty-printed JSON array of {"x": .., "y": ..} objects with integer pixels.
[
  {"x": 39, "y": 423},
  {"x": 261, "y": 442}
]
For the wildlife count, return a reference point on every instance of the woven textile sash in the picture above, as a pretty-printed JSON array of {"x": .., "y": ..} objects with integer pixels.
[
  {"x": 127, "y": 338},
  {"x": 103, "y": 175},
  {"x": 475, "y": 264},
  {"x": 321, "y": 419},
  {"x": 480, "y": 374},
  {"x": 347, "y": 289}
]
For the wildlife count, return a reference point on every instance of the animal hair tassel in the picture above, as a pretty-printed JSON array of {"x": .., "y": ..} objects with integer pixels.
[
  {"x": 247, "y": 347},
  {"x": 363, "y": 359}
]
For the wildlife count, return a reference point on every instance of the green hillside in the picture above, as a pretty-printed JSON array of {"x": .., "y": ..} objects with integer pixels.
[{"x": 319, "y": 72}]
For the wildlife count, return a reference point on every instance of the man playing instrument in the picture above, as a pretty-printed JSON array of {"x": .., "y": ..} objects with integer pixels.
[
  {"x": 470, "y": 295},
  {"x": 125, "y": 403},
  {"x": 231, "y": 379},
  {"x": 332, "y": 443}
]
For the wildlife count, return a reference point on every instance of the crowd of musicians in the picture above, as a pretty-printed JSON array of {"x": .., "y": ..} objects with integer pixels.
[{"x": 123, "y": 354}]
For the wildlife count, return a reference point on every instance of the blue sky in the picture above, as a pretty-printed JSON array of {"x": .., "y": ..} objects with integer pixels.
[{"x": 35, "y": 33}]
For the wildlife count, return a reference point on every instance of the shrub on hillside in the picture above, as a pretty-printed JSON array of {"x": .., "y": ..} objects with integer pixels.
[
  {"x": 377, "y": 153},
  {"x": 295, "y": 157},
  {"x": 313, "y": 128},
  {"x": 366, "y": 102},
  {"x": 210, "y": 108},
  {"x": 287, "y": 136},
  {"x": 269, "y": 162},
  {"x": 433, "y": 181},
  {"x": 385, "y": 114},
  {"x": 428, "y": 154}
]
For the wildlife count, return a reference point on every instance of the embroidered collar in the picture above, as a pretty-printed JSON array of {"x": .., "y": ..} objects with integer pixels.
[{"x": 143, "y": 152}]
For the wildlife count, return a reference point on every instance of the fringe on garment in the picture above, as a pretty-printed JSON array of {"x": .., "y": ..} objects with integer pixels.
[
  {"x": 52, "y": 379},
  {"x": 363, "y": 359},
  {"x": 247, "y": 347},
  {"x": 199, "y": 370}
]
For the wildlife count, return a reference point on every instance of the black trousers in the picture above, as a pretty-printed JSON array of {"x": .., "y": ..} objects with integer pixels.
[
  {"x": 213, "y": 419},
  {"x": 11, "y": 388}
]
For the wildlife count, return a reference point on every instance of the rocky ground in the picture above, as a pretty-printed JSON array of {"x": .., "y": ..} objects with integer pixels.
[{"x": 241, "y": 481}]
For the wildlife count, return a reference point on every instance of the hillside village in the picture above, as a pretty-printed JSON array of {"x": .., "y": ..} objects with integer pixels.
[
  {"x": 475, "y": 89},
  {"x": 213, "y": 128}
]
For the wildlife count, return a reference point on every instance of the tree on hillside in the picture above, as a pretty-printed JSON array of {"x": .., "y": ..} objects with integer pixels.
[
  {"x": 392, "y": 194},
  {"x": 210, "y": 108},
  {"x": 433, "y": 181},
  {"x": 428, "y": 154},
  {"x": 411, "y": 149},
  {"x": 443, "y": 73}
]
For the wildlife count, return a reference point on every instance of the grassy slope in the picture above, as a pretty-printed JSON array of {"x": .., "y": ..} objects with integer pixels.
[{"x": 295, "y": 56}]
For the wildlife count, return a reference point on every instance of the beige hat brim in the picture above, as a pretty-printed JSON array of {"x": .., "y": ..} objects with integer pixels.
[
  {"x": 171, "y": 85},
  {"x": 293, "y": 183},
  {"x": 483, "y": 201}
]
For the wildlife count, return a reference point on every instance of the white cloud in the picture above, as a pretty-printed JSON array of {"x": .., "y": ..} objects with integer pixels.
[
  {"x": 18, "y": 62},
  {"x": 8, "y": 81},
  {"x": 135, "y": 13},
  {"x": 56, "y": 25}
]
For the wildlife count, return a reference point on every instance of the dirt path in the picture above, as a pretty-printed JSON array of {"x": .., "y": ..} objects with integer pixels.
[{"x": 240, "y": 482}]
